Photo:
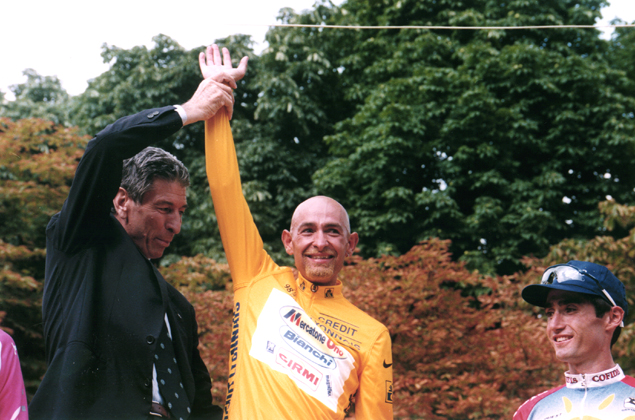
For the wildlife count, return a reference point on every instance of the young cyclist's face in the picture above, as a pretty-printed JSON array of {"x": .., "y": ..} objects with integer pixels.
[
  {"x": 577, "y": 335},
  {"x": 319, "y": 240}
]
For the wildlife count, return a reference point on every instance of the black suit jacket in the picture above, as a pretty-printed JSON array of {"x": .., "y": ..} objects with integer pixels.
[{"x": 104, "y": 302}]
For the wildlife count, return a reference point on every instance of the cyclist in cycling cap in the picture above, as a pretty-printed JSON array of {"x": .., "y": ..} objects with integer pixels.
[{"x": 585, "y": 305}]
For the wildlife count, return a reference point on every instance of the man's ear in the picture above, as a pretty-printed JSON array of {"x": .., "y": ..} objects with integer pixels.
[
  {"x": 353, "y": 239},
  {"x": 616, "y": 316},
  {"x": 286, "y": 241},
  {"x": 121, "y": 205}
]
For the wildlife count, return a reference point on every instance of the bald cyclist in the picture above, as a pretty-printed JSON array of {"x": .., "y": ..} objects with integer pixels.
[{"x": 299, "y": 349}]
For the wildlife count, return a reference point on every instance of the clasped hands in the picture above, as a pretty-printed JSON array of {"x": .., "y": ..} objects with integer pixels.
[{"x": 215, "y": 91}]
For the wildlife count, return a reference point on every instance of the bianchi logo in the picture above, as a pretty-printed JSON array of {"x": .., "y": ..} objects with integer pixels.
[{"x": 305, "y": 350}]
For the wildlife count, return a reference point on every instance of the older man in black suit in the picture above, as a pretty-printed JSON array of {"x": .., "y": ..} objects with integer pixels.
[{"x": 121, "y": 342}]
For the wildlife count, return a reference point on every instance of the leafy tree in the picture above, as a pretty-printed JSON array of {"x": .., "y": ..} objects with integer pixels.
[
  {"x": 40, "y": 97},
  {"x": 502, "y": 141},
  {"x": 622, "y": 51},
  {"x": 138, "y": 79},
  {"x": 37, "y": 164}
]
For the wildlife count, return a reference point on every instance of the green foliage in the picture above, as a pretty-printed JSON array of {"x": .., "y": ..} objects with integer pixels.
[
  {"x": 622, "y": 52},
  {"x": 502, "y": 141},
  {"x": 138, "y": 79},
  {"x": 40, "y": 97}
]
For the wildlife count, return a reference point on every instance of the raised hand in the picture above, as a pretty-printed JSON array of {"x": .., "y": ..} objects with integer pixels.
[
  {"x": 207, "y": 100},
  {"x": 221, "y": 70}
]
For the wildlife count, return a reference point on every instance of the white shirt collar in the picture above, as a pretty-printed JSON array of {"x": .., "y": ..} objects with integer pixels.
[{"x": 594, "y": 380}]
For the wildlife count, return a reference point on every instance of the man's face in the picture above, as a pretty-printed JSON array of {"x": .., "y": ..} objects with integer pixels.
[
  {"x": 319, "y": 239},
  {"x": 153, "y": 223},
  {"x": 577, "y": 335}
]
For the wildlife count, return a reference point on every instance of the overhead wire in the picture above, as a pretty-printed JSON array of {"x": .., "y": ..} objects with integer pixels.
[{"x": 293, "y": 25}]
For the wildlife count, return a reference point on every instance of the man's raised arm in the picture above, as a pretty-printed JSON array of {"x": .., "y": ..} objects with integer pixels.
[
  {"x": 241, "y": 240},
  {"x": 98, "y": 174}
]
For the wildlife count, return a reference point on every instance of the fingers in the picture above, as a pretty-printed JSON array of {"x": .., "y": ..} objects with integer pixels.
[
  {"x": 212, "y": 55},
  {"x": 226, "y": 99},
  {"x": 207, "y": 100},
  {"x": 216, "y": 55},
  {"x": 219, "y": 70},
  {"x": 230, "y": 110},
  {"x": 227, "y": 79},
  {"x": 227, "y": 60},
  {"x": 240, "y": 71},
  {"x": 201, "y": 62},
  {"x": 209, "y": 53}
]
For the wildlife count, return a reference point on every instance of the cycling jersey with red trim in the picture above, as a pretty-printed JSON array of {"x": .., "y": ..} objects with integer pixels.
[
  {"x": 608, "y": 395},
  {"x": 298, "y": 350}
]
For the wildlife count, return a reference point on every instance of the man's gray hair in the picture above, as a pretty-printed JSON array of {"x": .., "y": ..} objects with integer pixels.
[{"x": 140, "y": 171}]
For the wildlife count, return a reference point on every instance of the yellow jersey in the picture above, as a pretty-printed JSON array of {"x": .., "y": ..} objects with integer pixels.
[{"x": 298, "y": 350}]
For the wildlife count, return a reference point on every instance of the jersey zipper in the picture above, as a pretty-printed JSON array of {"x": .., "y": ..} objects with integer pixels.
[{"x": 583, "y": 402}]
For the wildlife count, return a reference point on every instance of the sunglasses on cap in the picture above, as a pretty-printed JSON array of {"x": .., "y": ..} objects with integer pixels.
[{"x": 565, "y": 273}]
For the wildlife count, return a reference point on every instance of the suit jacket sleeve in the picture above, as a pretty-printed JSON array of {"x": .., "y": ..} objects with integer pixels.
[{"x": 98, "y": 176}]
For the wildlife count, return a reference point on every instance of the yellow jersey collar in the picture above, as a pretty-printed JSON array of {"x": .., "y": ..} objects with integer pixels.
[{"x": 316, "y": 291}]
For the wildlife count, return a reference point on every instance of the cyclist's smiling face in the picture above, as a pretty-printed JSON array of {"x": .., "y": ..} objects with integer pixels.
[
  {"x": 319, "y": 239},
  {"x": 577, "y": 335}
]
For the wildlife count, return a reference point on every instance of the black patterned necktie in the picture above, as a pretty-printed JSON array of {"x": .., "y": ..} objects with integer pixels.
[{"x": 169, "y": 378}]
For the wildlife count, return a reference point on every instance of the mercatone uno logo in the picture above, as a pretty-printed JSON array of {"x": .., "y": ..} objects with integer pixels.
[{"x": 303, "y": 326}]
